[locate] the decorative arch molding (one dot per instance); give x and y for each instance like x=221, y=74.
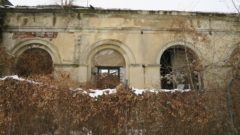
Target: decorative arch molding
x=18, y=49
x=109, y=44
x=232, y=50
x=178, y=43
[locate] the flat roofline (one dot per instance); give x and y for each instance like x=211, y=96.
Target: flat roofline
x=79, y=9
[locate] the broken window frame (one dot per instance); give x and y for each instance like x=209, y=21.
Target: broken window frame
x=109, y=68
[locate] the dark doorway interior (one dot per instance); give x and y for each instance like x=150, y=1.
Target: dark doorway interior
x=180, y=69
x=166, y=69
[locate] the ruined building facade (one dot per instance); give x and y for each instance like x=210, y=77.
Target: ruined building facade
x=145, y=49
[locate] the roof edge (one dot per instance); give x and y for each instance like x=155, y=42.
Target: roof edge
x=68, y=9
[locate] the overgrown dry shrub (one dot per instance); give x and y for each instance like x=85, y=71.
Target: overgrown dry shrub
x=26, y=107
x=104, y=81
x=236, y=104
x=34, y=62
x=49, y=108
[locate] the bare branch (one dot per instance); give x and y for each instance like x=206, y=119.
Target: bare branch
x=235, y=6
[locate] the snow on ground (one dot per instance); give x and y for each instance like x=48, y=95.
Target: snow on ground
x=141, y=91
x=94, y=93
x=15, y=77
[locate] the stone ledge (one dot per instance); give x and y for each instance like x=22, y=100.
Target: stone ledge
x=66, y=65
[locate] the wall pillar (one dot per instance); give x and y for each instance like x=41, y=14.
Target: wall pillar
x=152, y=76
x=67, y=69
x=217, y=77
x=136, y=76
x=82, y=73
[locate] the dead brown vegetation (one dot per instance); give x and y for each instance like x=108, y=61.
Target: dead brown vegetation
x=51, y=108
x=236, y=104
x=104, y=81
x=34, y=61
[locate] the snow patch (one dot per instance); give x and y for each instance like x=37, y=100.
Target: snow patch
x=141, y=91
x=16, y=77
x=95, y=93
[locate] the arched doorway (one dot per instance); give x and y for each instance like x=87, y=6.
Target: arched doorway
x=180, y=69
x=34, y=61
x=108, y=68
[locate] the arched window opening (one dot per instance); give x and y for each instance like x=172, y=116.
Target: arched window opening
x=180, y=69
x=34, y=61
x=108, y=68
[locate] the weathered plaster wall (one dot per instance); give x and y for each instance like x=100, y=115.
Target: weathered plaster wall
x=74, y=36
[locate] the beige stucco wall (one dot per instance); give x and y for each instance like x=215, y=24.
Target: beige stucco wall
x=140, y=36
